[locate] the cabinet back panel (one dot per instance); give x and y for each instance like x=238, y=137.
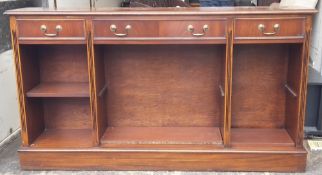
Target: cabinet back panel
x=67, y=113
x=168, y=85
x=259, y=76
x=63, y=63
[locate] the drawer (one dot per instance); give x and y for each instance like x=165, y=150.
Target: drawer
x=269, y=27
x=196, y=29
x=104, y=29
x=51, y=29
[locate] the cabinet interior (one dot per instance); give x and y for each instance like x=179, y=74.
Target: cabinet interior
x=175, y=92
x=55, y=80
x=265, y=90
x=172, y=91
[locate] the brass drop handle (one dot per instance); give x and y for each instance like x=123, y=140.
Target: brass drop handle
x=262, y=27
x=113, y=28
x=192, y=29
x=58, y=28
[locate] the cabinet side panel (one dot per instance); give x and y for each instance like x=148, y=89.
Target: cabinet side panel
x=303, y=94
x=27, y=74
x=293, y=82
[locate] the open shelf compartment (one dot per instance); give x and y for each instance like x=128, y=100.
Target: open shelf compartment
x=160, y=95
x=55, y=81
x=55, y=70
x=265, y=95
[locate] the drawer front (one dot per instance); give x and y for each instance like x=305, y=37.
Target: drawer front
x=124, y=29
x=48, y=29
x=196, y=29
x=269, y=27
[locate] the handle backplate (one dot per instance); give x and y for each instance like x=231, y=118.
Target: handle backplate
x=191, y=29
x=44, y=29
x=113, y=28
x=262, y=28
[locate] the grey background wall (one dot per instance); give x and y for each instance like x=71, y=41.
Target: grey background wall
x=9, y=115
x=83, y=3
x=316, y=45
x=4, y=22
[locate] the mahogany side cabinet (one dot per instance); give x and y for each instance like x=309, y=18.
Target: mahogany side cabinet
x=191, y=89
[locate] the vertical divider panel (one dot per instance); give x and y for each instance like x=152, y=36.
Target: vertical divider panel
x=97, y=85
x=228, y=82
x=92, y=85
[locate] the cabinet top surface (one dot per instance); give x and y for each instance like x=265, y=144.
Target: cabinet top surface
x=162, y=11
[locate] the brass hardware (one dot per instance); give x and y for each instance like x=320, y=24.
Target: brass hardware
x=43, y=28
x=192, y=29
x=262, y=27
x=113, y=29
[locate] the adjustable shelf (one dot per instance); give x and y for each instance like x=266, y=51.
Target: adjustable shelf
x=60, y=90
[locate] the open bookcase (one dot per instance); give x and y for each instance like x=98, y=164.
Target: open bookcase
x=57, y=95
x=209, y=91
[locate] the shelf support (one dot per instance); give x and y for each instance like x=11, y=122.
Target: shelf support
x=222, y=92
x=290, y=90
x=100, y=94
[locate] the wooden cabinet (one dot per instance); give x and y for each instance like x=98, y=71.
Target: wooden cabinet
x=162, y=89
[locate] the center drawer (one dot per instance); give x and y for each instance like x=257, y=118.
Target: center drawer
x=195, y=29
x=124, y=29
x=158, y=31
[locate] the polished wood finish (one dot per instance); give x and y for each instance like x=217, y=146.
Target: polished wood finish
x=180, y=89
x=171, y=11
x=206, y=160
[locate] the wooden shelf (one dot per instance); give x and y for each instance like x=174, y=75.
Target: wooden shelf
x=60, y=90
x=260, y=137
x=161, y=136
x=64, y=138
